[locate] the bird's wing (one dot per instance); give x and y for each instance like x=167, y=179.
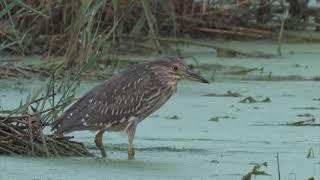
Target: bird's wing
x=103, y=106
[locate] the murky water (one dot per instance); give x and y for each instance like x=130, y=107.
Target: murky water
x=193, y=147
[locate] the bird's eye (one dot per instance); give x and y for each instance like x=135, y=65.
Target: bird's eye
x=175, y=68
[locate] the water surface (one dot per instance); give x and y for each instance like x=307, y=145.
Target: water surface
x=191, y=146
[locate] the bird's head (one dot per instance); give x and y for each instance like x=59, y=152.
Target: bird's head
x=175, y=68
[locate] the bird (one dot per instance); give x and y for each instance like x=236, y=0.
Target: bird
x=121, y=102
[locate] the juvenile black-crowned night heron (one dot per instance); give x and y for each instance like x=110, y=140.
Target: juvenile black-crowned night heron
x=125, y=99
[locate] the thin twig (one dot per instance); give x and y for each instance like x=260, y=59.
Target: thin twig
x=283, y=21
x=31, y=136
x=7, y=150
x=44, y=142
x=278, y=164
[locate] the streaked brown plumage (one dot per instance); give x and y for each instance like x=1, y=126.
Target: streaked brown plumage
x=125, y=99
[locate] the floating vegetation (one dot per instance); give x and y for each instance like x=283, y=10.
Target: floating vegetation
x=316, y=78
x=270, y=77
x=250, y=99
x=310, y=153
x=221, y=52
x=101, y=69
x=216, y=119
x=227, y=94
x=214, y=161
x=246, y=71
x=236, y=52
x=307, y=108
x=14, y=71
x=307, y=122
x=256, y=171
x=296, y=65
x=174, y=117
x=305, y=115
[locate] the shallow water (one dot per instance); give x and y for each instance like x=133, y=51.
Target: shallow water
x=192, y=147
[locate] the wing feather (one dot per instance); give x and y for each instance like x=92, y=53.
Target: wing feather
x=104, y=105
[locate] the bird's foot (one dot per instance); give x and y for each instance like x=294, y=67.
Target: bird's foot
x=131, y=153
x=103, y=153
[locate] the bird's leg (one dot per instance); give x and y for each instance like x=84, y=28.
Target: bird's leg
x=131, y=131
x=99, y=143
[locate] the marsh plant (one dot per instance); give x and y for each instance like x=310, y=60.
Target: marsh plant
x=77, y=29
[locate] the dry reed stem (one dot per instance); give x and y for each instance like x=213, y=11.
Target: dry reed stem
x=20, y=134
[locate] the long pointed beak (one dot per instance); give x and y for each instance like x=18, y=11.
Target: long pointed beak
x=195, y=77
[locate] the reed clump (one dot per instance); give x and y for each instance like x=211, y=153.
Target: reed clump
x=22, y=135
x=78, y=29
x=22, y=129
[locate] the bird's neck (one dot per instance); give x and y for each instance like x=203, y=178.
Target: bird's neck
x=172, y=85
x=168, y=82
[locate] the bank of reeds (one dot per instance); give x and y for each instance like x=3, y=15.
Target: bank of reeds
x=80, y=29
